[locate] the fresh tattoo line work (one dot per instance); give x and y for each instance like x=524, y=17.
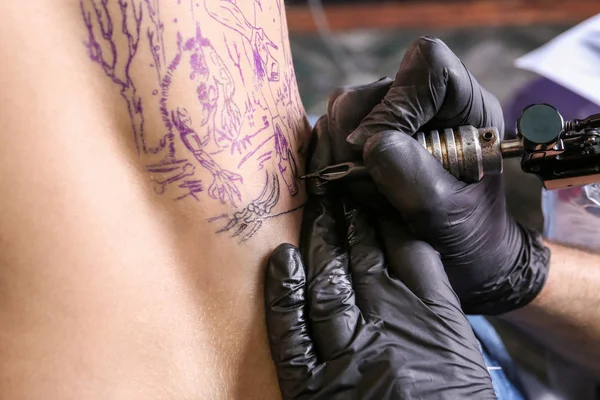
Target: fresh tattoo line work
x=211, y=122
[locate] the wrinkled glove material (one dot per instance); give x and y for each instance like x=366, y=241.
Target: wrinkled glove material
x=350, y=317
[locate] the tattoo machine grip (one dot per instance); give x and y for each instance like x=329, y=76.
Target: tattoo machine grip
x=466, y=152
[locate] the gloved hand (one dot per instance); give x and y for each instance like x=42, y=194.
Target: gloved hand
x=352, y=319
x=493, y=263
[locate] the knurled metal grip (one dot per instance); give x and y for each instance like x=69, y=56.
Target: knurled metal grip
x=466, y=152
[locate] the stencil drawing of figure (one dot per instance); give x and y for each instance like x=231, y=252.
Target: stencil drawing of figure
x=215, y=89
x=266, y=69
x=223, y=186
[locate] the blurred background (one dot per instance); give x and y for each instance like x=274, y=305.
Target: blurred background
x=339, y=42
x=348, y=42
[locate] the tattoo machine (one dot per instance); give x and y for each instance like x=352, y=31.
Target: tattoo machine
x=560, y=153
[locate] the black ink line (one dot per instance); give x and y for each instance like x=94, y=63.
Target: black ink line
x=246, y=223
x=286, y=212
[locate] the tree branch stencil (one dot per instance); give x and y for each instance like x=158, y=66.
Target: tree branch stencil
x=155, y=36
x=224, y=186
x=103, y=29
x=116, y=64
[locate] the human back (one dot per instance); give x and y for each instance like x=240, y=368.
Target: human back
x=150, y=158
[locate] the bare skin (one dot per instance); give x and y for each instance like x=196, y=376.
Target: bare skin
x=565, y=315
x=148, y=165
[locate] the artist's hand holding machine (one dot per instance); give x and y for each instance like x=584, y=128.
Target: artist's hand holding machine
x=430, y=143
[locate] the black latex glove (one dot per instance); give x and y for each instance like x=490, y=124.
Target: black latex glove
x=494, y=264
x=351, y=322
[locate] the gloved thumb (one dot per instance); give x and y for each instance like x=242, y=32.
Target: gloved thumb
x=412, y=180
x=319, y=154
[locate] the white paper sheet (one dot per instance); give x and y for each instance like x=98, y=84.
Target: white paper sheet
x=572, y=60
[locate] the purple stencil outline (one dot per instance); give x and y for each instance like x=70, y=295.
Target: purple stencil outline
x=102, y=35
x=95, y=14
x=157, y=48
x=230, y=15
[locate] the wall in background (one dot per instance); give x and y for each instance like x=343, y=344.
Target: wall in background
x=367, y=55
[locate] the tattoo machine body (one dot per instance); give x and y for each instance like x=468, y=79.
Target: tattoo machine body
x=561, y=154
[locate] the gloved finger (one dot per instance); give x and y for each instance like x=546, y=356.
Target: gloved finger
x=320, y=149
x=367, y=260
x=291, y=346
x=411, y=178
x=333, y=314
x=346, y=109
x=429, y=73
x=319, y=154
x=418, y=265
